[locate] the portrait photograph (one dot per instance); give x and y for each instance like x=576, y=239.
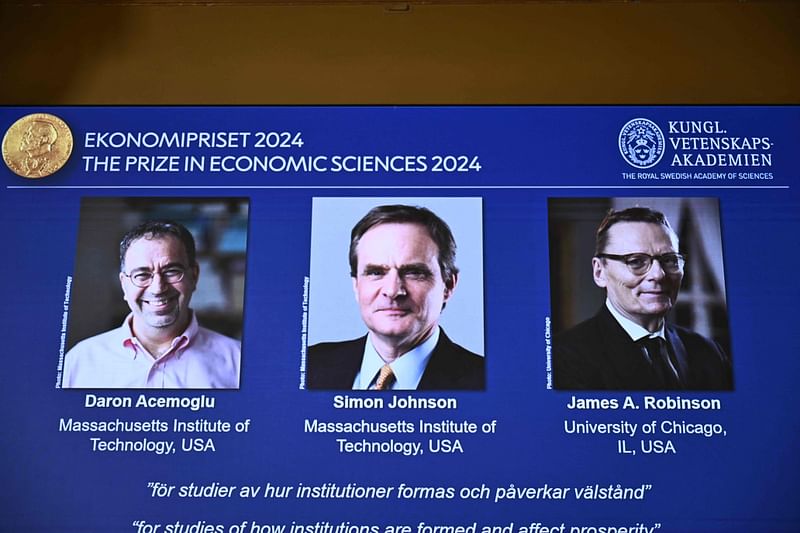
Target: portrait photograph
x=157, y=294
x=403, y=279
x=638, y=297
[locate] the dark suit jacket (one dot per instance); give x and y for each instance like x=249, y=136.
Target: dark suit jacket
x=599, y=355
x=334, y=365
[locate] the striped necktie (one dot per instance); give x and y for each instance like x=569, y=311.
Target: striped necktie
x=385, y=378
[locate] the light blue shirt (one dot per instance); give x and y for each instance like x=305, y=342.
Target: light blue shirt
x=408, y=368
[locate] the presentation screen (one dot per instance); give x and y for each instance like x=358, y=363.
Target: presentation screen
x=492, y=319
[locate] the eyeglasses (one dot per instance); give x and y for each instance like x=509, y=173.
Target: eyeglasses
x=144, y=278
x=640, y=263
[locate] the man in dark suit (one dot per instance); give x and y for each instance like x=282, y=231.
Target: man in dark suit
x=628, y=345
x=402, y=264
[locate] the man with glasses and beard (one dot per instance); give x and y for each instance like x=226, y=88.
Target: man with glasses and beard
x=628, y=345
x=160, y=344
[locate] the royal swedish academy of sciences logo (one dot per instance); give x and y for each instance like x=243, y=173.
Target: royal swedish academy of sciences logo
x=641, y=143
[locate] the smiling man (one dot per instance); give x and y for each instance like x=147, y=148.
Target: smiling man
x=628, y=345
x=160, y=344
x=402, y=264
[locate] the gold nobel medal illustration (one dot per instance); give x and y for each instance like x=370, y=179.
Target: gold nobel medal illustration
x=37, y=145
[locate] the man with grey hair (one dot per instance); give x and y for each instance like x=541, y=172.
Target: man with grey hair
x=628, y=344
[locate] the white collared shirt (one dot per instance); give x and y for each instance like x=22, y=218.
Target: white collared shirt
x=407, y=369
x=634, y=330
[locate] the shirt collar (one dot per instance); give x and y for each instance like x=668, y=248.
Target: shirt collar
x=407, y=369
x=634, y=330
x=128, y=340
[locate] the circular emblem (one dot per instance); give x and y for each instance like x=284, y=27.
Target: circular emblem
x=37, y=145
x=641, y=143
